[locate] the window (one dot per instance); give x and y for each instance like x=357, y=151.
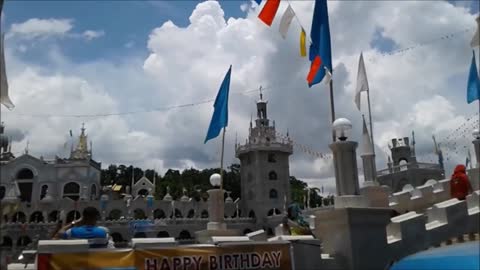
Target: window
x=272, y=175
x=273, y=194
x=25, y=191
x=93, y=192
x=158, y=214
x=2, y=192
x=115, y=214
x=139, y=214
x=43, y=191
x=272, y=158
x=142, y=192
x=71, y=190
x=25, y=174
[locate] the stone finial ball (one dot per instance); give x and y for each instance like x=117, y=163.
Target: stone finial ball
x=342, y=128
x=476, y=133
x=215, y=180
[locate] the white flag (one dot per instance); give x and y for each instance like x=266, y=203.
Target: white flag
x=362, y=82
x=4, y=99
x=328, y=76
x=286, y=21
x=476, y=38
x=367, y=146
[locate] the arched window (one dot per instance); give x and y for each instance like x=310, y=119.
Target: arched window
x=23, y=241
x=272, y=175
x=25, y=174
x=142, y=192
x=53, y=216
x=184, y=235
x=117, y=237
x=163, y=234
x=115, y=214
x=72, y=191
x=2, y=192
x=273, y=194
x=251, y=214
x=73, y=215
x=139, y=214
x=191, y=213
x=273, y=211
x=247, y=230
x=178, y=214
x=140, y=235
x=43, y=191
x=93, y=192
x=403, y=164
x=158, y=214
x=6, y=242
x=204, y=214
x=272, y=158
x=19, y=217
x=36, y=216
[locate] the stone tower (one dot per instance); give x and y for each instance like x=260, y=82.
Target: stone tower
x=401, y=151
x=265, y=173
x=405, y=169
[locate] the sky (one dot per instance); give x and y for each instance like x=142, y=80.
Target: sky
x=110, y=57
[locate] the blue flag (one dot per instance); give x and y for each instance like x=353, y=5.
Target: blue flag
x=473, y=87
x=220, y=113
x=320, y=49
x=258, y=1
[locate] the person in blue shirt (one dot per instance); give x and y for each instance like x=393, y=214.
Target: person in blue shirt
x=86, y=228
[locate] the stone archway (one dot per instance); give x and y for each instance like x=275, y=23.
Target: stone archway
x=73, y=215
x=19, y=217
x=23, y=241
x=115, y=214
x=36, y=217
x=6, y=242
x=53, y=216
x=159, y=214
x=184, y=235
x=163, y=234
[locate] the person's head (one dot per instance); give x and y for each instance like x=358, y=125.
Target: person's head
x=90, y=215
x=460, y=169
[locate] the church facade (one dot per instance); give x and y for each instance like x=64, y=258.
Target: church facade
x=36, y=194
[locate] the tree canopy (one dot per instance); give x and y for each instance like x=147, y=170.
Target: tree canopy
x=197, y=182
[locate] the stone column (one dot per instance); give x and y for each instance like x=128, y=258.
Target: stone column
x=216, y=210
x=369, y=168
x=345, y=162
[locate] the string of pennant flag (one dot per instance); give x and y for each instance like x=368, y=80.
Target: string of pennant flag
x=305, y=149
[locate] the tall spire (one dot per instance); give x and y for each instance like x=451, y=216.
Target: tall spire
x=261, y=95
x=81, y=151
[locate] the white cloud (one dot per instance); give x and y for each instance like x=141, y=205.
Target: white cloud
x=34, y=28
x=90, y=34
x=43, y=28
x=409, y=91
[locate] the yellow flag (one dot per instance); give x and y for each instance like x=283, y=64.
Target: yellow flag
x=303, y=50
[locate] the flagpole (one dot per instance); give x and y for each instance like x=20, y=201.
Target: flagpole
x=370, y=119
x=332, y=108
x=221, y=158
